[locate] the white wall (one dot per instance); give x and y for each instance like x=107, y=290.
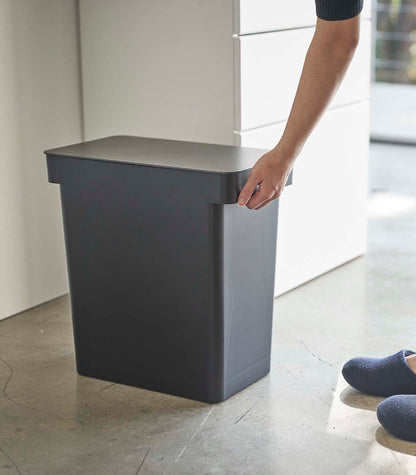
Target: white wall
x=40, y=108
x=158, y=69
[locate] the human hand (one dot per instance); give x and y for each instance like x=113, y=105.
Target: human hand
x=270, y=172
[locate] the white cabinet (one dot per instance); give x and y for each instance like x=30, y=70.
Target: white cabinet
x=322, y=216
x=269, y=69
x=226, y=72
x=256, y=16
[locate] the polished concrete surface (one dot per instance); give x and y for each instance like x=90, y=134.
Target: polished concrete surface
x=300, y=419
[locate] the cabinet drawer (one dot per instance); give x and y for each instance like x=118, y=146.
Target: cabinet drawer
x=322, y=217
x=254, y=16
x=268, y=69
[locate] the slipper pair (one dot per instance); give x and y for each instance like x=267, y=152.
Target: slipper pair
x=390, y=377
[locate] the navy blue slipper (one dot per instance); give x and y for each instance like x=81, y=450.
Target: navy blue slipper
x=397, y=414
x=381, y=376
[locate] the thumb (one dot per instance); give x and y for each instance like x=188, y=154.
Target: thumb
x=248, y=188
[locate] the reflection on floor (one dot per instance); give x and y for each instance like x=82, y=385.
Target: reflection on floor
x=302, y=418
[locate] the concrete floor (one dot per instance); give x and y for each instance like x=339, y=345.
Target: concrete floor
x=300, y=419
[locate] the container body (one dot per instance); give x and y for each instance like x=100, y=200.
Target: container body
x=170, y=290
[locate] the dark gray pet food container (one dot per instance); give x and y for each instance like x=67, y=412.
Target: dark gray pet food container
x=171, y=282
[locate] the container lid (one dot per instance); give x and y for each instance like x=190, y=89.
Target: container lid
x=164, y=153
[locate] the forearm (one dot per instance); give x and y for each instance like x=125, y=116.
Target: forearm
x=327, y=59
x=326, y=63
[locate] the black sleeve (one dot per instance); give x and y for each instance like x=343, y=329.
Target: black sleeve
x=338, y=9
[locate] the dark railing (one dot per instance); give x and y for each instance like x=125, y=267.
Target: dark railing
x=395, y=41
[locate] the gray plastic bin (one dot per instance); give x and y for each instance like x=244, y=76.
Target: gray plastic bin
x=171, y=282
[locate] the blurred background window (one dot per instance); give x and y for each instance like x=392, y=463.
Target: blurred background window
x=393, y=92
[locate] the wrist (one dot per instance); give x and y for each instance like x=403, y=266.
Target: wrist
x=286, y=153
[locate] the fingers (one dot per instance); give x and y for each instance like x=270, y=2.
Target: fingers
x=266, y=194
x=248, y=188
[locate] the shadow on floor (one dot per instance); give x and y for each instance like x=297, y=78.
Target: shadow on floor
x=353, y=398
x=393, y=443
